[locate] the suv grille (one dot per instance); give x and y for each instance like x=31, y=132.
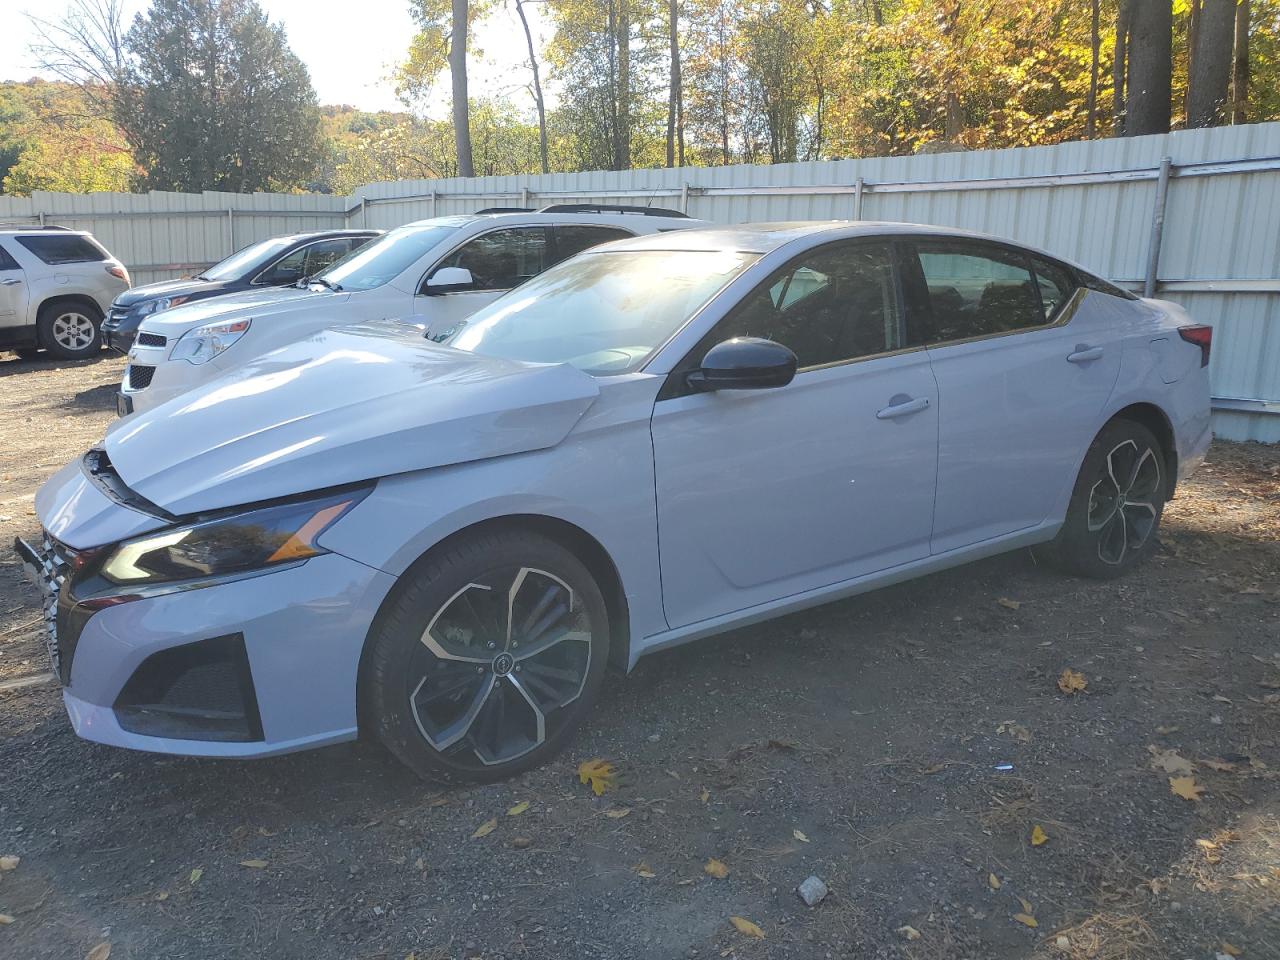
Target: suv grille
x=139, y=377
x=116, y=315
x=150, y=340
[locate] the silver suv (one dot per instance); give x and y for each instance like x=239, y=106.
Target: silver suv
x=55, y=287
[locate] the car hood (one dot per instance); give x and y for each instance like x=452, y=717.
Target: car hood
x=171, y=288
x=343, y=405
x=251, y=303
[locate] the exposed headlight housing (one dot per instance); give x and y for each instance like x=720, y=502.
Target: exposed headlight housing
x=204, y=343
x=163, y=303
x=227, y=545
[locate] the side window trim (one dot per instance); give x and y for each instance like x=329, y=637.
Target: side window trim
x=422, y=280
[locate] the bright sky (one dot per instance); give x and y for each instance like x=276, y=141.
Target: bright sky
x=350, y=55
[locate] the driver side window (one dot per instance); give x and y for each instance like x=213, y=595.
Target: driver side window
x=829, y=305
x=502, y=259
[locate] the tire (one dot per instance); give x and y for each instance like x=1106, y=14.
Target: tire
x=1105, y=536
x=70, y=329
x=445, y=685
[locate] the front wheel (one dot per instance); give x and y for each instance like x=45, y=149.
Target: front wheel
x=1116, y=505
x=70, y=330
x=488, y=658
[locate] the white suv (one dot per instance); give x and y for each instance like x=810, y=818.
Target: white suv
x=437, y=272
x=55, y=287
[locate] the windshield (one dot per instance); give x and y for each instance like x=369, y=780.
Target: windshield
x=604, y=313
x=248, y=260
x=384, y=259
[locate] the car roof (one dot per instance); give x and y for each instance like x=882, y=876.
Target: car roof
x=617, y=219
x=43, y=231
x=335, y=232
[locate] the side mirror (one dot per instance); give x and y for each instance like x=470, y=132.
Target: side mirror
x=744, y=363
x=450, y=280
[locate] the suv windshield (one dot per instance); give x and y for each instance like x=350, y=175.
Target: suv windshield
x=247, y=260
x=384, y=259
x=604, y=313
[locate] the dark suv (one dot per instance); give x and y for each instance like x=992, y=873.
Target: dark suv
x=277, y=262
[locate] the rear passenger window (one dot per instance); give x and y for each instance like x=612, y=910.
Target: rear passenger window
x=976, y=292
x=571, y=241
x=1056, y=287
x=63, y=248
x=7, y=262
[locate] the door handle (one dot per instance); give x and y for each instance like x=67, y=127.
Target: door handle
x=1084, y=353
x=9, y=282
x=902, y=406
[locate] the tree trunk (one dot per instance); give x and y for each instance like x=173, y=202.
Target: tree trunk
x=622, y=142
x=1095, y=44
x=458, y=73
x=537, y=88
x=1119, y=65
x=1150, y=67
x=1240, y=76
x=675, y=104
x=1210, y=72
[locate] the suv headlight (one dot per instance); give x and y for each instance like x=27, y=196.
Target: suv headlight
x=238, y=543
x=204, y=343
x=163, y=303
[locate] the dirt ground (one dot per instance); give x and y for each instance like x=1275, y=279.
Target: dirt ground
x=907, y=747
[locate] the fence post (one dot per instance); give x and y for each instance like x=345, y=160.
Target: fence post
x=231, y=229
x=1157, y=228
x=364, y=211
x=433, y=203
x=857, y=199
x=41, y=219
x=524, y=196
x=684, y=198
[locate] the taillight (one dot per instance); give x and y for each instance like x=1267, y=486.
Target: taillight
x=1201, y=334
x=118, y=272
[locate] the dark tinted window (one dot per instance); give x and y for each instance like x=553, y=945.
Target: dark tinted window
x=573, y=240
x=502, y=259
x=7, y=262
x=63, y=248
x=833, y=304
x=306, y=261
x=1056, y=286
x=975, y=291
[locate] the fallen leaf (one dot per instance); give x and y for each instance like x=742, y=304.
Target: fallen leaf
x=1169, y=761
x=1220, y=765
x=1009, y=604
x=9, y=863
x=716, y=868
x=254, y=864
x=485, y=828
x=196, y=874
x=910, y=932
x=936, y=768
x=1038, y=836
x=993, y=881
x=1072, y=681
x=1165, y=731
x=643, y=870
x=521, y=843
x=705, y=795
x=599, y=773
x=617, y=813
x=799, y=836
x=5, y=919
x=264, y=832
x=1186, y=788
x=1015, y=730
x=1230, y=949
x=518, y=809
x=100, y=952
x=1026, y=920
x=1026, y=906
x=1221, y=699
x=162, y=896
x=744, y=925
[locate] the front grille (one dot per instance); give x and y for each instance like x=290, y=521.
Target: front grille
x=53, y=565
x=115, y=317
x=139, y=378
x=150, y=340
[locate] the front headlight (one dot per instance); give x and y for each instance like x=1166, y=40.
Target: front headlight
x=163, y=303
x=204, y=343
x=228, y=545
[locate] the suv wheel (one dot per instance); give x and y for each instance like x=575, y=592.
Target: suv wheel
x=487, y=659
x=70, y=330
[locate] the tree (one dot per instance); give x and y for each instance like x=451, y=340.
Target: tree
x=1240, y=67
x=458, y=77
x=1210, y=70
x=675, y=103
x=1150, y=92
x=539, y=101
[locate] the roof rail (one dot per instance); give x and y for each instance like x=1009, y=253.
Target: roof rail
x=612, y=208
x=55, y=226
x=504, y=210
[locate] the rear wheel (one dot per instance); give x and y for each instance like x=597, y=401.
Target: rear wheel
x=70, y=330
x=488, y=658
x=1116, y=506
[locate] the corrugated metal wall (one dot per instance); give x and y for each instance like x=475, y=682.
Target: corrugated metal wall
x=1092, y=202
